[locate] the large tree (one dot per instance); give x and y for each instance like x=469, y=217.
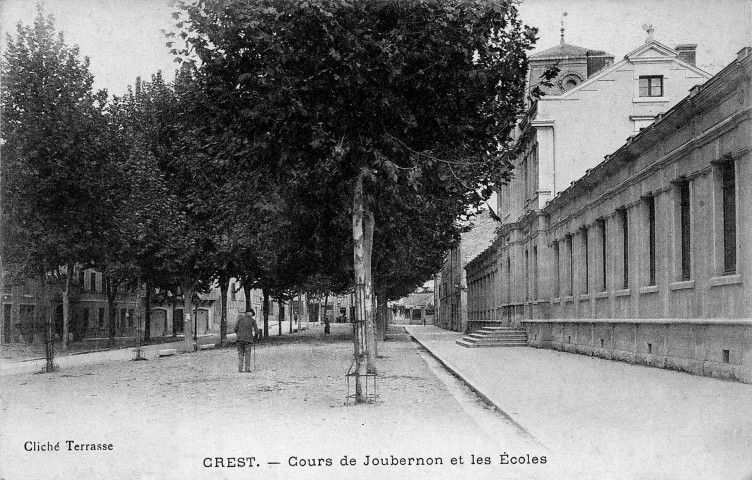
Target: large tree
x=367, y=100
x=53, y=165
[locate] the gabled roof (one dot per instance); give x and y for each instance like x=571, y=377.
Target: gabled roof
x=660, y=49
x=653, y=49
x=418, y=300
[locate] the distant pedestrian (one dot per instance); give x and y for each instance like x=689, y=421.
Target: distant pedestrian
x=326, y=325
x=246, y=330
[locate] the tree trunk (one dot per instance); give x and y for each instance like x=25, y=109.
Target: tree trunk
x=266, y=312
x=363, y=303
x=147, y=312
x=247, y=293
x=318, y=314
x=224, y=285
x=66, y=306
x=175, y=320
x=139, y=316
x=187, y=289
x=368, y=227
x=46, y=315
x=385, y=317
x=290, y=315
x=382, y=316
x=305, y=309
x=280, y=317
x=326, y=307
x=111, y=290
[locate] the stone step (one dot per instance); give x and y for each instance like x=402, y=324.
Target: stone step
x=166, y=352
x=495, y=337
x=506, y=332
x=467, y=344
x=502, y=328
x=498, y=335
x=495, y=340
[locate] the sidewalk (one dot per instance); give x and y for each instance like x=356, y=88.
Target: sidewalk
x=614, y=419
x=101, y=356
x=127, y=353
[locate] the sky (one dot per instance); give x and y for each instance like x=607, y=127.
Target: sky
x=123, y=38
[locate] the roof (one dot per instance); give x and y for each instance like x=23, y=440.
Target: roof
x=480, y=237
x=565, y=50
x=668, y=52
x=417, y=300
x=661, y=121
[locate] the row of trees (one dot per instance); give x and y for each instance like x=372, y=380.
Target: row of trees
x=304, y=146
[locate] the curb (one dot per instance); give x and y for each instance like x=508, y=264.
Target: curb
x=455, y=372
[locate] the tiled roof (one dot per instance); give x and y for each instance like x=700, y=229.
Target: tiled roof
x=480, y=237
x=417, y=300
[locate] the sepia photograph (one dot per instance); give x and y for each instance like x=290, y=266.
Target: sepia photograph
x=376, y=239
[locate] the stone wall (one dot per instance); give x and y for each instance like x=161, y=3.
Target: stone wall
x=719, y=348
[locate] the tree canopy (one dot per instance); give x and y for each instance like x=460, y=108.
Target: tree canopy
x=393, y=112
x=322, y=145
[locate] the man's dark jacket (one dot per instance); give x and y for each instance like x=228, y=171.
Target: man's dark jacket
x=245, y=328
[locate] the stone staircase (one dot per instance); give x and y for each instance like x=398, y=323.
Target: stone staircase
x=495, y=337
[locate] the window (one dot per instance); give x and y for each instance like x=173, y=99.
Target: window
x=570, y=251
x=585, y=253
x=527, y=269
x=604, y=257
x=534, y=268
x=101, y=318
x=93, y=280
x=685, y=233
x=122, y=318
x=130, y=317
x=728, y=191
x=233, y=292
x=509, y=280
x=557, y=282
x=535, y=173
x=81, y=279
x=86, y=319
x=651, y=86
x=624, y=216
x=650, y=201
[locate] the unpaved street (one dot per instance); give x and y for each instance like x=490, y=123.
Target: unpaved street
x=181, y=416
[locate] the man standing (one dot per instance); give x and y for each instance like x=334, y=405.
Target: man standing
x=246, y=329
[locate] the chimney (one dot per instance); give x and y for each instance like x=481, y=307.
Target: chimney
x=687, y=53
x=597, y=61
